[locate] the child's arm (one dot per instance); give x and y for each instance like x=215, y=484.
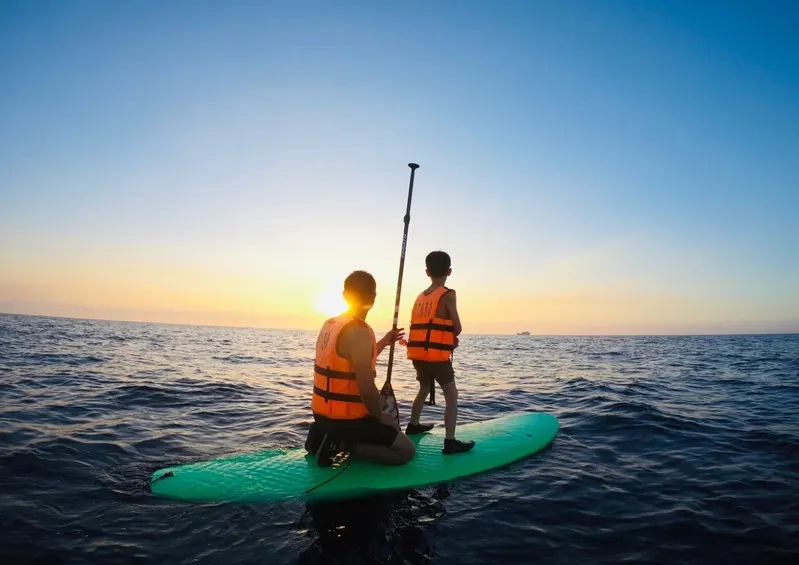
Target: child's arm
x=451, y=305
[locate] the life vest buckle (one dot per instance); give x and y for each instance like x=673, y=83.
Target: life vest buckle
x=327, y=387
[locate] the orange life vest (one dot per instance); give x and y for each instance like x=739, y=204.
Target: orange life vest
x=430, y=338
x=335, y=390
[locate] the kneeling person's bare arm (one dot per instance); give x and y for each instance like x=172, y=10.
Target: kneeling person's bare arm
x=357, y=347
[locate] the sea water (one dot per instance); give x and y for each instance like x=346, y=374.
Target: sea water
x=681, y=449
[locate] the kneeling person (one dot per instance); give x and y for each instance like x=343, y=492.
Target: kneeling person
x=346, y=402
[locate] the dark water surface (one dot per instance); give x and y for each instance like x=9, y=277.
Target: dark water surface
x=671, y=450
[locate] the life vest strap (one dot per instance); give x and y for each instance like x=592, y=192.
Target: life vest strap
x=331, y=374
x=430, y=326
x=428, y=345
x=337, y=396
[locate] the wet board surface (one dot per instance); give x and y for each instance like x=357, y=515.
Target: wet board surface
x=275, y=474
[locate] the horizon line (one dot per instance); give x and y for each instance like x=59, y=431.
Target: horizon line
x=530, y=334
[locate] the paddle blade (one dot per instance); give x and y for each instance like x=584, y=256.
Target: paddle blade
x=388, y=402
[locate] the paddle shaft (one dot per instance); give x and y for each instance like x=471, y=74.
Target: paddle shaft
x=407, y=221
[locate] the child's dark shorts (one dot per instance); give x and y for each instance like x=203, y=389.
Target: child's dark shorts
x=441, y=371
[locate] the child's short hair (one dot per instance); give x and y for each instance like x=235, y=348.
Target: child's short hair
x=438, y=263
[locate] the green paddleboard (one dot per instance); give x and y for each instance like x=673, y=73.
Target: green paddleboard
x=274, y=474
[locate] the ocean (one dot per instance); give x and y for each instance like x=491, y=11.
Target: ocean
x=672, y=449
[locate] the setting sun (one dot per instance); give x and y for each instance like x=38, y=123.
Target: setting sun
x=330, y=303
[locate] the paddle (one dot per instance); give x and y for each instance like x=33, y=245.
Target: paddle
x=388, y=401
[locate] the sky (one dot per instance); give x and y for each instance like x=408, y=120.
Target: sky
x=591, y=167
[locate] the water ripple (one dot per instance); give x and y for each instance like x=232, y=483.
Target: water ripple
x=672, y=449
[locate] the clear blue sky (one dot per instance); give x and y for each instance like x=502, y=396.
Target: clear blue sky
x=592, y=167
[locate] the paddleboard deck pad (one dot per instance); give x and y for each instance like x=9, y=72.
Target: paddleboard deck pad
x=277, y=474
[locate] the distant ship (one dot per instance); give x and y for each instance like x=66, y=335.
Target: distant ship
x=523, y=333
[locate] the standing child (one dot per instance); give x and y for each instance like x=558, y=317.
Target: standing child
x=433, y=335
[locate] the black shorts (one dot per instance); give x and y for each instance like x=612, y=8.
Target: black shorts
x=359, y=430
x=441, y=371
